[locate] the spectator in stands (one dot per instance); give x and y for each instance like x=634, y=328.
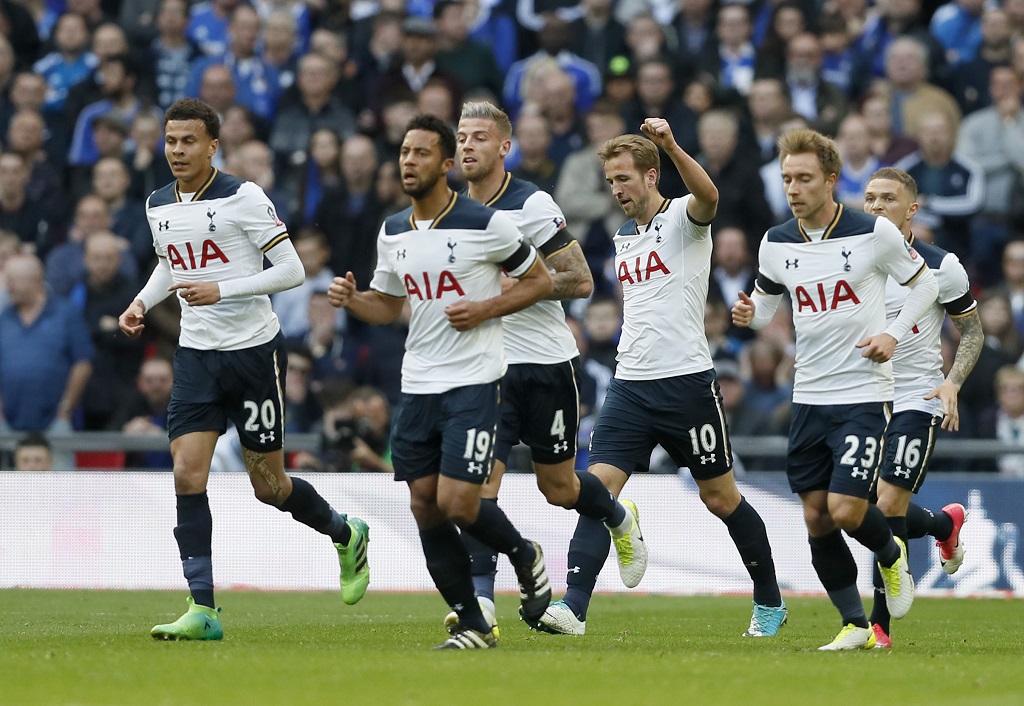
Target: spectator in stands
x=317, y=108
x=27, y=91
x=471, y=61
x=657, y=97
x=765, y=390
x=993, y=139
x=1015, y=16
x=893, y=20
x=144, y=412
x=292, y=305
x=732, y=272
x=32, y=453
x=786, y=21
x=395, y=116
x=26, y=135
x=217, y=87
x=1012, y=287
x=769, y=106
x=647, y=39
x=108, y=40
x=355, y=433
x=587, y=203
x=145, y=158
x=65, y=264
x=10, y=245
x=334, y=46
x=120, y=76
x=323, y=171
x=1000, y=331
x=555, y=100
x=111, y=181
x=171, y=54
x=854, y=142
x=335, y=355
x=694, y=25
x=906, y=71
x=742, y=417
x=837, y=54
x=45, y=353
x=301, y=409
x=387, y=186
x=117, y=358
x=208, y=25
x=889, y=148
x=950, y=190
x=254, y=162
x=238, y=126
x=69, y=63
x=490, y=24
x=602, y=323
x=416, y=64
x=436, y=98
x=280, y=46
x=597, y=36
x=740, y=189
x=554, y=39
x=256, y=82
x=28, y=218
x=957, y=27
x=1009, y=426
x=350, y=214
x=717, y=320
x=732, y=63
x=533, y=140
x=373, y=61
x=969, y=80
x=619, y=82
x=820, y=102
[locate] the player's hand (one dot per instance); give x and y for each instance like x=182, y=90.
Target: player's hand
x=743, y=311
x=341, y=291
x=130, y=322
x=197, y=293
x=947, y=393
x=659, y=131
x=507, y=283
x=464, y=314
x=878, y=348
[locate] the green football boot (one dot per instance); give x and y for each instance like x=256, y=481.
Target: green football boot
x=199, y=623
x=355, y=566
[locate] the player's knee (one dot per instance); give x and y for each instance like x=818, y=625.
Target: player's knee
x=720, y=501
x=560, y=490
x=847, y=516
x=268, y=496
x=460, y=508
x=819, y=522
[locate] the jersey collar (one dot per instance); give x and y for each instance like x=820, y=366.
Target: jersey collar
x=828, y=229
x=501, y=190
x=437, y=219
x=202, y=189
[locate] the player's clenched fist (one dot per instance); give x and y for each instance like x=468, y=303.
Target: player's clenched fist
x=464, y=315
x=659, y=131
x=339, y=294
x=743, y=311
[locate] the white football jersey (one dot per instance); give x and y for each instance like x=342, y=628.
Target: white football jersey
x=221, y=234
x=459, y=255
x=538, y=333
x=837, y=284
x=917, y=362
x=663, y=268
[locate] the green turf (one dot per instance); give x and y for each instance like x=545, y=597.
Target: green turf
x=93, y=647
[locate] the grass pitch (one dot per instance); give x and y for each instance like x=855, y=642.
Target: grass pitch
x=93, y=647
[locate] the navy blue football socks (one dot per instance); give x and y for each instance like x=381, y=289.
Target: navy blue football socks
x=308, y=507
x=484, y=561
x=874, y=533
x=837, y=571
x=596, y=501
x=751, y=539
x=588, y=550
x=922, y=522
x=448, y=564
x=194, y=535
x=493, y=529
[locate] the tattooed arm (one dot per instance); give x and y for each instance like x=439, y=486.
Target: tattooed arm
x=972, y=338
x=572, y=276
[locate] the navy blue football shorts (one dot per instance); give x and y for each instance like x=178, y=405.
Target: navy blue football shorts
x=540, y=407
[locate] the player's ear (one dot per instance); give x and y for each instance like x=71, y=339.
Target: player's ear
x=505, y=147
x=913, y=209
x=214, y=144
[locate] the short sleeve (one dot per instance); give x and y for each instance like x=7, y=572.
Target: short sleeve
x=680, y=217
x=542, y=219
x=895, y=256
x=501, y=239
x=160, y=251
x=954, y=287
x=767, y=280
x=385, y=279
x=257, y=217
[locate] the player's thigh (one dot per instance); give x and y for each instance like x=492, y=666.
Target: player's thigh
x=551, y=422
x=808, y=455
x=855, y=437
x=197, y=401
x=416, y=437
x=254, y=380
x=491, y=488
x=266, y=472
x=909, y=441
x=690, y=424
x=192, y=453
x=622, y=435
x=558, y=482
x=469, y=422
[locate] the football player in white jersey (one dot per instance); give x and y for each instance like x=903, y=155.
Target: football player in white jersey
x=540, y=402
x=444, y=255
x=211, y=232
x=834, y=263
x=664, y=390
x=923, y=397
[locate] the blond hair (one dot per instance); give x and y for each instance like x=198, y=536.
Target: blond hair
x=899, y=176
x=807, y=141
x=484, y=110
x=644, y=152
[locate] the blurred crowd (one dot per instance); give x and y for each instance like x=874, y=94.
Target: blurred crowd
x=314, y=96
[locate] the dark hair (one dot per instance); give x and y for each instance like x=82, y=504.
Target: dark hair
x=194, y=109
x=445, y=134
x=32, y=439
x=127, y=62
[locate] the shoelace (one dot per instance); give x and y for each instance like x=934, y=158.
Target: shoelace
x=624, y=548
x=892, y=576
